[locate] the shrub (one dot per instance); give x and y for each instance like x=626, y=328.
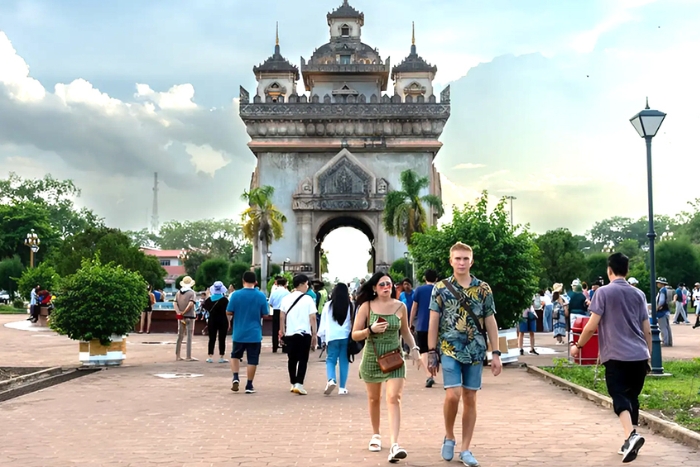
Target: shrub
x=17, y=303
x=235, y=273
x=212, y=270
x=99, y=301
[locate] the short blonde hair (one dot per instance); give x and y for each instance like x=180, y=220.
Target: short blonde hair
x=459, y=246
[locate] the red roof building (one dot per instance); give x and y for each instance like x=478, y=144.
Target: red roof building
x=170, y=261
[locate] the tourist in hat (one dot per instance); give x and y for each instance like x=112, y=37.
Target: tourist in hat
x=560, y=312
x=633, y=281
x=663, y=312
x=184, y=309
x=619, y=314
x=218, y=323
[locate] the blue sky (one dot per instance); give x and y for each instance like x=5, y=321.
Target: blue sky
x=541, y=96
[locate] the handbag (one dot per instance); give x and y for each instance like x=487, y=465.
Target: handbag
x=465, y=305
x=354, y=347
x=282, y=343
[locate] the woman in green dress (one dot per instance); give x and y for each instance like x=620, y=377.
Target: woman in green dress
x=383, y=321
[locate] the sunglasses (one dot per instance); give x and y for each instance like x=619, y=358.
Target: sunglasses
x=384, y=284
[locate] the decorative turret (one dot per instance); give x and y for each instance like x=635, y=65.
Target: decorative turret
x=277, y=78
x=345, y=21
x=413, y=76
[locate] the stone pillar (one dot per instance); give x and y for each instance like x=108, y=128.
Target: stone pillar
x=305, y=240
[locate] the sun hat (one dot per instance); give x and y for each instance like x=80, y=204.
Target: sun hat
x=187, y=282
x=218, y=288
x=575, y=283
x=632, y=281
x=558, y=287
x=661, y=280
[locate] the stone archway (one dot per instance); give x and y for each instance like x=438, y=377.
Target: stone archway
x=336, y=222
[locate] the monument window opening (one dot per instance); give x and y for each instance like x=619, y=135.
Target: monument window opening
x=345, y=59
x=345, y=30
x=345, y=255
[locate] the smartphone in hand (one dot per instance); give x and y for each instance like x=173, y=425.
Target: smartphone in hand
x=381, y=320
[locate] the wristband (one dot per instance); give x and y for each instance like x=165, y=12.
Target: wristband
x=496, y=352
x=370, y=330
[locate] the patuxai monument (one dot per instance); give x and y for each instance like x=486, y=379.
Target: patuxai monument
x=333, y=151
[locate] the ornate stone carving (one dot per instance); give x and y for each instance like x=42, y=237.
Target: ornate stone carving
x=306, y=187
x=382, y=186
x=344, y=178
x=386, y=109
x=244, y=96
x=445, y=95
x=344, y=204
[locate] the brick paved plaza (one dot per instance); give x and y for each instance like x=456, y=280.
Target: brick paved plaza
x=129, y=417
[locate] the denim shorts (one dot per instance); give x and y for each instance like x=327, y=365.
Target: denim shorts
x=527, y=325
x=456, y=374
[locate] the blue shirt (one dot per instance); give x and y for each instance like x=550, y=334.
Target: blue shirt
x=407, y=299
x=248, y=307
x=422, y=297
x=277, y=296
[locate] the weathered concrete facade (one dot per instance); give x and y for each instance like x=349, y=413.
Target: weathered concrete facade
x=333, y=155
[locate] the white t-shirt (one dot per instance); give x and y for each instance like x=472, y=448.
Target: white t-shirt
x=696, y=299
x=297, y=320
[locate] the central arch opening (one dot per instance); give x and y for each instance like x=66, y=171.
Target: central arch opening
x=344, y=249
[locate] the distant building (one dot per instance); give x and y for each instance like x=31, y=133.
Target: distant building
x=171, y=262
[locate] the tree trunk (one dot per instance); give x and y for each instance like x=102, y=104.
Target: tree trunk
x=263, y=266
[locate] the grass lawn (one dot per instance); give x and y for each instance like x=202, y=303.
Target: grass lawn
x=674, y=398
x=10, y=310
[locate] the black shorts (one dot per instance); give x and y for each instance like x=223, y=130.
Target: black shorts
x=625, y=381
x=422, y=341
x=251, y=349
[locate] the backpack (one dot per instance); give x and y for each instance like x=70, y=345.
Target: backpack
x=537, y=302
x=669, y=296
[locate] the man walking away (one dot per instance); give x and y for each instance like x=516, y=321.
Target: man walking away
x=184, y=306
x=275, y=303
x=247, y=307
x=679, y=300
x=461, y=306
x=420, y=317
x=663, y=312
x=619, y=313
x=298, y=326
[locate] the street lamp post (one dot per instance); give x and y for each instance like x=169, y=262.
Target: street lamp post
x=32, y=241
x=667, y=235
x=511, y=198
x=647, y=123
x=284, y=265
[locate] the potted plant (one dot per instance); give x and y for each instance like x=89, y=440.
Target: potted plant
x=98, y=306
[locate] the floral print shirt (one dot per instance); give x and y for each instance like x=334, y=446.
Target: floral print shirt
x=458, y=335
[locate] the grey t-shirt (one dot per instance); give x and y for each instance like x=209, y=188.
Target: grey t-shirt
x=183, y=299
x=622, y=310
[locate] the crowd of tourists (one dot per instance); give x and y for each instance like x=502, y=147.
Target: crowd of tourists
x=443, y=326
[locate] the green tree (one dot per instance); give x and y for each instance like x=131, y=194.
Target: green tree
x=112, y=246
x=629, y=248
x=99, y=301
x=219, y=238
x=505, y=259
x=55, y=197
x=235, y=273
x=404, y=213
x=43, y=275
x=678, y=261
x=10, y=271
x=262, y=221
x=398, y=270
x=194, y=260
x=640, y=271
x=17, y=219
x=143, y=238
x=246, y=255
x=596, y=266
x=560, y=256
x=211, y=271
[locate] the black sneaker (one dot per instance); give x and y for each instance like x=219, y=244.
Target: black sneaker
x=634, y=444
x=234, y=385
x=249, y=389
x=522, y=352
x=429, y=382
x=533, y=352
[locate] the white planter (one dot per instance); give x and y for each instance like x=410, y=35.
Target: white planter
x=508, y=345
x=93, y=353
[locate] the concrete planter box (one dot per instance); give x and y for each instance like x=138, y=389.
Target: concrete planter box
x=93, y=353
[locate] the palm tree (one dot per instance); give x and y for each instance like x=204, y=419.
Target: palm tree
x=262, y=223
x=404, y=213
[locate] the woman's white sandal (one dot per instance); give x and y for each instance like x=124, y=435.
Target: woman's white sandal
x=375, y=444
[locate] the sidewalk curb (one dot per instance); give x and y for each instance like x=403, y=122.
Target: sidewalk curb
x=668, y=429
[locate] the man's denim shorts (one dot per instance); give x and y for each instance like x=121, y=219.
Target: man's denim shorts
x=456, y=374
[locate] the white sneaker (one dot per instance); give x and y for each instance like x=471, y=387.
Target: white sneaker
x=292, y=388
x=299, y=389
x=330, y=385
x=396, y=453
x=342, y=392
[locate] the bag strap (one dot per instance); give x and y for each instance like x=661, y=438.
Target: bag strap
x=464, y=304
x=290, y=309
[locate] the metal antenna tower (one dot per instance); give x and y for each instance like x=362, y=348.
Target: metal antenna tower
x=154, y=217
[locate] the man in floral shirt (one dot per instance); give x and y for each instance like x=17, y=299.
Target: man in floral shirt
x=462, y=345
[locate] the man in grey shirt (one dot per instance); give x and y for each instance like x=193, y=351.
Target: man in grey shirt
x=619, y=313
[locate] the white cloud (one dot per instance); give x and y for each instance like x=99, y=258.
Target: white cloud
x=177, y=97
x=468, y=166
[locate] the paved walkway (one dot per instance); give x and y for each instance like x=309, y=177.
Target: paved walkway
x=130, y=417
